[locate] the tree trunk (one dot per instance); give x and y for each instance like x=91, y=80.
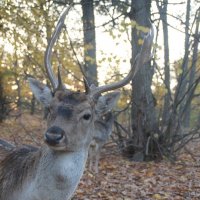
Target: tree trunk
x=89, y=41
x=17, y=82
x=163, y=15
x=2, y=100
x=187, y=110
x=32, y=105
x=143, y=103
x=183, y=79
x=19, y=97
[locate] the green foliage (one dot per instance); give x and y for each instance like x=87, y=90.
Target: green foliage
x=25, y=28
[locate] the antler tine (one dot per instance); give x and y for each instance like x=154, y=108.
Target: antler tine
x=48, y=53
x=87, y=87
x=60, y=85
x=143, y=56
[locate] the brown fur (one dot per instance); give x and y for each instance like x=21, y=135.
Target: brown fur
x=3, y=153
x=5, y=148
x=17, y=165
x=69, y=97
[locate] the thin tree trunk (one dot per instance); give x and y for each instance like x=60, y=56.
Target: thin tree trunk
x=17, y=82
x=2, y=99
x=32, y=105
x=183, y=79
x=163, y=15
x=19, y=97
x=89, y=41
x=187, y=110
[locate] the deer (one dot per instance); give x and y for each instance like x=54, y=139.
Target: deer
x=54, y=170
x=103, y=130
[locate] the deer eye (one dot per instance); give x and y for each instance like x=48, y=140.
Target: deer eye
x=86, y=116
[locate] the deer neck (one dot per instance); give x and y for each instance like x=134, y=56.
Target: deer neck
x=57, y=176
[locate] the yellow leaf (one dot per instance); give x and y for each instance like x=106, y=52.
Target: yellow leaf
x=160, y=197
x=157, y=196
x=140, y=41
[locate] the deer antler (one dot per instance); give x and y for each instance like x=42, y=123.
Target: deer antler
x=48, y=53
x=143, y=56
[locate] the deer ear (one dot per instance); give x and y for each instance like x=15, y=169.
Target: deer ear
x=41, y=92
x=107, y=102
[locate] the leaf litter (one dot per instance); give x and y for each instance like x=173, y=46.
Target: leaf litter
x=119, y=178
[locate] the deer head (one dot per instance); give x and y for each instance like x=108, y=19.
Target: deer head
x=72, y=114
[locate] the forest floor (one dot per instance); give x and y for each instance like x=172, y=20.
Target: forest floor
x=118, y=178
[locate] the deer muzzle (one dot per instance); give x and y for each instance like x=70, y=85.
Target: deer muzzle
x=54, y=136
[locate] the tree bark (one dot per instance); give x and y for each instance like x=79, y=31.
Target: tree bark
x=2, y=100
x=187, y=110
x=19, y=97
x=90, y=65
x=163, y=15
x=143, y=103
x=183, y=79
x=32, y=105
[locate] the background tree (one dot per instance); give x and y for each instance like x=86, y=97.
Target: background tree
x=162, y=8
x=143, y=116
x=90, y=65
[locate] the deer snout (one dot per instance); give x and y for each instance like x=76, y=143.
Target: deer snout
x=54, y=135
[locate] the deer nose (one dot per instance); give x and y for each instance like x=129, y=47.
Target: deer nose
x=54, y=135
